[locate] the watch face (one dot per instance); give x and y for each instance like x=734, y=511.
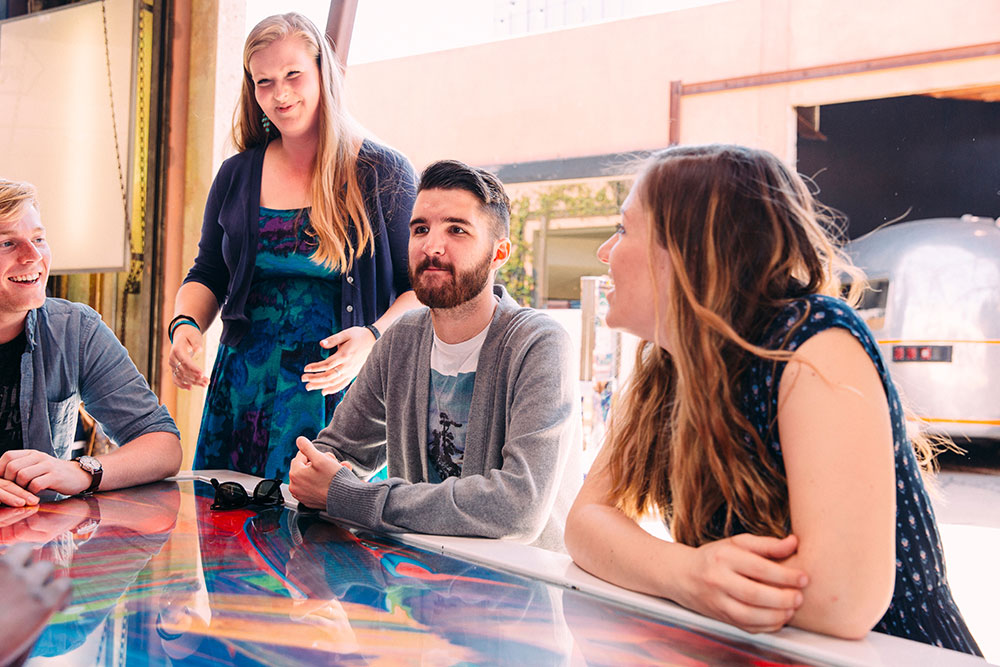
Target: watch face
x=87, y=527
x=89, y=463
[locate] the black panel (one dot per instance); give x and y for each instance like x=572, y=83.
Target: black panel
x=882, y=158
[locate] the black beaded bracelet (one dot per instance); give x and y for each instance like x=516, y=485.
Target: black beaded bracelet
x=374, y=330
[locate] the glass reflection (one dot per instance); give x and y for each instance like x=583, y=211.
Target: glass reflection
x=104, y=543
x=159, y=578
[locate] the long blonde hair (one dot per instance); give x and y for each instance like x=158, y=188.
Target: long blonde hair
x=744, y=238
x=338, y=215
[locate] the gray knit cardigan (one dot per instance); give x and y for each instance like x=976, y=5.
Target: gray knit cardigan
x=522, y=466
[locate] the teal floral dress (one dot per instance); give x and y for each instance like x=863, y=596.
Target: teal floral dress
x=257, y=403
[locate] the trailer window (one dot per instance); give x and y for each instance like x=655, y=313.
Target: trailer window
x=873, y=300
x=875, y=295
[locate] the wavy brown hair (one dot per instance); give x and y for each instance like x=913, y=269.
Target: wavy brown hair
x=338, y=215
x=744, y=237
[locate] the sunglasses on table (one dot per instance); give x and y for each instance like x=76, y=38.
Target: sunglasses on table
x=232, y=495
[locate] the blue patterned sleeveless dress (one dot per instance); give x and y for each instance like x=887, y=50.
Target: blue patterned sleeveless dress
x=257, y=404
x=922, y=607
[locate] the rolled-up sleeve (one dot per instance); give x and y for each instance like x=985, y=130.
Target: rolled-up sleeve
x=113, y=390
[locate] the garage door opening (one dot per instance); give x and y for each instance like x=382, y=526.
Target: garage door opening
x=906, y=158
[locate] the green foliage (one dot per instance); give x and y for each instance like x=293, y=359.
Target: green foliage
x=514, y=276
x=578, y=200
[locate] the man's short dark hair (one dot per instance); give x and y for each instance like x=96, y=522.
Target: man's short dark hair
x=481, y=184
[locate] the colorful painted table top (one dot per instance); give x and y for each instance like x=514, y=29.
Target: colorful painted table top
x=159, y=577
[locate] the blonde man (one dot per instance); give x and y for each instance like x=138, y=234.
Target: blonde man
x=53, y=355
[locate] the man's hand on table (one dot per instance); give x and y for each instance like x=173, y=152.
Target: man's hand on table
x=311, y=472
x=35, y=471
x=14, y=496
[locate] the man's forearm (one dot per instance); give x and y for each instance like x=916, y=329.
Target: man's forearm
x=148, y=458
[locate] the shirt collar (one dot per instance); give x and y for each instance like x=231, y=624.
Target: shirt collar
x=30, y=328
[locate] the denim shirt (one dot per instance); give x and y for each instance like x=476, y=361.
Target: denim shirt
x=72, y=356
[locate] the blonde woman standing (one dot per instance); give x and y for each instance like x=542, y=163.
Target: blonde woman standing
x=303, y=252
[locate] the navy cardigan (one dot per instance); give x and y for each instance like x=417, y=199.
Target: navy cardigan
x=227, y=251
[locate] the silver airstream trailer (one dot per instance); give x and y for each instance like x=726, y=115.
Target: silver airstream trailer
x=934, y=307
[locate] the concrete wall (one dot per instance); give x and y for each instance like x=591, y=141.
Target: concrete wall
x=605, y=88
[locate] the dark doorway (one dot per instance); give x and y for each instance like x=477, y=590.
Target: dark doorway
x=905, y=157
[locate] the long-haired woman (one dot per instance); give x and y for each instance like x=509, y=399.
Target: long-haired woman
x=303, y=249
x=760, y=420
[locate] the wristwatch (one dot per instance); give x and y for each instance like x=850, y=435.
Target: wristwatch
x=85, y=529
x=96, y=470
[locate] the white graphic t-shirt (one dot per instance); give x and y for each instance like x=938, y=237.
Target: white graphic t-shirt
x=453, y=374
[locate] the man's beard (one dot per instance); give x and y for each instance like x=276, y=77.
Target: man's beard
x=462, y=288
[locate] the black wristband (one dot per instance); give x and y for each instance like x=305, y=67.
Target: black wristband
x=183, y=317
x=374, y=330
x=178, y=321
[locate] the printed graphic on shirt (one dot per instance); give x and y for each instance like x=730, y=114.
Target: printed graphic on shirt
x=10, y=393
x=448, y=413
x=453, y=375
x=10, y=410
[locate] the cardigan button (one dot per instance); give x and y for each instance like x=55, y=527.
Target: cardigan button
x=350, y=309
x=350, y=279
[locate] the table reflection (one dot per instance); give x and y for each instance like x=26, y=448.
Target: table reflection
x=104, y=543
x=158, y=577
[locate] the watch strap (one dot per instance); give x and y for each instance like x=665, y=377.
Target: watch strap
x=95, y=477
x=95, y=483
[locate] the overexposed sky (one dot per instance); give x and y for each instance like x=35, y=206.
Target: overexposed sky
x=396, y=28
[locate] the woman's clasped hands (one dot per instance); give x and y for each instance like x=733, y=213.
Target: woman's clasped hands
x=742, y=580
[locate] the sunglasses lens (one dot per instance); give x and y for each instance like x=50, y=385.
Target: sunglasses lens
x=268, y=492
x=229, y=495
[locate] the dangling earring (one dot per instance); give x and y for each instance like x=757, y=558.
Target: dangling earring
x=266, y=122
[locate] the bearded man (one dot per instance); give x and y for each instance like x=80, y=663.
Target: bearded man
x=470, y=402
